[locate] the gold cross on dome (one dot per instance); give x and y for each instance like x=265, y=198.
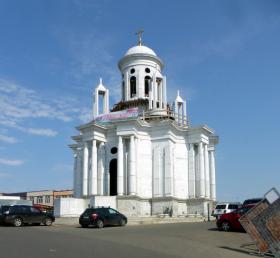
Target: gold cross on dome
x=139, y=34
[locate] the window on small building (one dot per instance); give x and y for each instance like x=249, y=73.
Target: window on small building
x=132, y=86
x=47, y=199
x=147, y=70
x=40, y=199
x=147, y=84
x=132, y=71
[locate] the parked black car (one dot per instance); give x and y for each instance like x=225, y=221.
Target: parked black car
x=18, y=215
x=101, y=217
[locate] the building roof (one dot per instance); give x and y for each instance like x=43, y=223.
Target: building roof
x=140, y=50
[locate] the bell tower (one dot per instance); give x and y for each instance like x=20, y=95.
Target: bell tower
x=141, y=76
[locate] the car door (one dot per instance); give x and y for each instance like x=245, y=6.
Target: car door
x=114, y=216
x=235, y=219
x=36, y=216
x=238, y=213
x=20, y=211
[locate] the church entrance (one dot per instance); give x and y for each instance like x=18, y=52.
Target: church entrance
x=113, y=177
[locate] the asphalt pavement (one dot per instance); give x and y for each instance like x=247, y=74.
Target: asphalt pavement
x=198, y=240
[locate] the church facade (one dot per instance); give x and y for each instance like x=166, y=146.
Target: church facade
x=143, y=153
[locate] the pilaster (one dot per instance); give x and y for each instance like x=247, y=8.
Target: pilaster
x=212, y=176
x=132, y=175
x=201, y=170
x=120, y=188
x=191, y=171
x=206, y=168
x=85, y=170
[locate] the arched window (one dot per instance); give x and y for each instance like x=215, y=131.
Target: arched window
x=132, y=86
x=147, y=83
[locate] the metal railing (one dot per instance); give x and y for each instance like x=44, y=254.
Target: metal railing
x=179, y=119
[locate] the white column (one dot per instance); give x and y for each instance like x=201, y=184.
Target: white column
x=132, y=174
x=141, y=84
x=120, y=166
x=185, y=120
x=150, y=94
x=206, y=169
x=106, y=101
x=164, y=91
x=160, y=95
x=96, y=103
x=127, y=87
x=79, y=185
x=201, y=170
x=154, y=93
x=107, y=179
x=75, y=172
x=176, y=110
x=85, y=170
x=191, y=171
x=93, y=179
x=168, y=170
x=156, y=173
x=100, y=174
x=212, y=176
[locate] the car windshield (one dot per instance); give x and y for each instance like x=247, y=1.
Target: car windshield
x=220, y=206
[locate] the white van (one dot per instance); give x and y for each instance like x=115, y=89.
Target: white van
x=225, y=207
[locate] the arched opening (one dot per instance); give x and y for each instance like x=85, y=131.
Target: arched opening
x=113, y=177
x=101, y=102
x=132, y=86
x=147, y=85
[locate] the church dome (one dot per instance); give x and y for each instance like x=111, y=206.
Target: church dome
x=140, y=50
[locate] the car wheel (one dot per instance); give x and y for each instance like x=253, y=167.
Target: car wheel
x=226, y=226
x=48, y=222
x=100, y=223
x=84, y=225
x=122, y=222
x=18, y=222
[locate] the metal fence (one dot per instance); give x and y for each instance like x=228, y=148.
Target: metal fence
x=262, y=223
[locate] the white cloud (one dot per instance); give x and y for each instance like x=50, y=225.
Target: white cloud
x=18, y=102
x=8, y=139
x=19, y=105
x=11, y=162
x=41, y=132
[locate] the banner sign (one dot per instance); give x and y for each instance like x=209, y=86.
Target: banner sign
x=124, y=115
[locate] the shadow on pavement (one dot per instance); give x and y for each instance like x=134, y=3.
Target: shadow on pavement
x=249, y=252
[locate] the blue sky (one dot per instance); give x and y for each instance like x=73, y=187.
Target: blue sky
x=223, y=56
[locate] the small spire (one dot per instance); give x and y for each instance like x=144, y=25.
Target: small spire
x=139, y=34
x=178, y=93
x=100, y=80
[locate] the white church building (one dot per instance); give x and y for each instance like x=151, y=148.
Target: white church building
x=143, y=157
